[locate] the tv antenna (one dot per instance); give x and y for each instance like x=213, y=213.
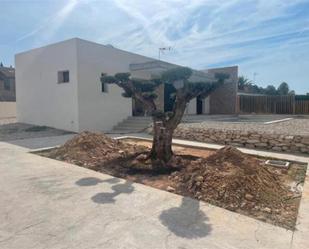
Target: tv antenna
x=161, y=50
x=254, y=76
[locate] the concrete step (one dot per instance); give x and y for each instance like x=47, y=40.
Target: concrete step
x=139, y=118
x=124, y=127
x=132, y=124
x=131, y=121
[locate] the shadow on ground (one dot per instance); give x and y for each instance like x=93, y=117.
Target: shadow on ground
x=187, y=220
x=107, y=197
x=91, y=181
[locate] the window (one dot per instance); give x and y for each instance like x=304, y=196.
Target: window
x=63, y=76
x=104, y=88
x=7, y=85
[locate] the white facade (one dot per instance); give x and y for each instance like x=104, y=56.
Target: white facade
x=40, y=99
x=79, y=104
x=191, y=107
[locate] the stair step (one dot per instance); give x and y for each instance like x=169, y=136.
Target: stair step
x=123, y=131
x=132, y=124
x=129, y=128
x=140, y=118
x=136, y=122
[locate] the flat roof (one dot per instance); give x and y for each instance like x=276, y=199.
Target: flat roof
x=157, y=67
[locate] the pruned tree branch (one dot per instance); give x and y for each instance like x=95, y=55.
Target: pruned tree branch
x=144, y=91
x=132, y=88
x=183, y=91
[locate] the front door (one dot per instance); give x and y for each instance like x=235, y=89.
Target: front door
x=199, y=105
x=138, y=108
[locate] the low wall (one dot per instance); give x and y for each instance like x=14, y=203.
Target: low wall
x=254, y=140
x=7, y=110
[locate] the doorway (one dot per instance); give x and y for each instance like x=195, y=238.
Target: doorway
x=199, y=105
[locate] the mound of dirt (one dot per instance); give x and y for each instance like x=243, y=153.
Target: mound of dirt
x=90, y=149
x=233, y=180
x=227, y=154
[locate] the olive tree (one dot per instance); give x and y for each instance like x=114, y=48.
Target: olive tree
x=164, y=123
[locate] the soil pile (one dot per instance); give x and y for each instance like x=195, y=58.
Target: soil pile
x=232, y=180
x=93, y=149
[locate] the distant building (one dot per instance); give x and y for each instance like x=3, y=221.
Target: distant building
x=7, y=83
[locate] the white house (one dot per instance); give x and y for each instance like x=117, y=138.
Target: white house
x=59, y=85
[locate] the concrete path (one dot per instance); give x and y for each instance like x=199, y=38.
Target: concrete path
x=42, y=142
x=48, y=204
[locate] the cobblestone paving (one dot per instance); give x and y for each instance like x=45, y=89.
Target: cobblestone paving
x=291, y=127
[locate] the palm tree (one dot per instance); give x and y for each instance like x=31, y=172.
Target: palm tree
x=242, y=82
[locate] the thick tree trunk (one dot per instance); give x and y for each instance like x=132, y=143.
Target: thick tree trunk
x=163, y=131
x=162, y=142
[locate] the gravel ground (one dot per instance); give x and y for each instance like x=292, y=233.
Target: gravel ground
x=13, y=131
x=291, y=127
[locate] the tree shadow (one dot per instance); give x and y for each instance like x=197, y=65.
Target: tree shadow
x=186, y=221
x=91, y=181
x=106, y=197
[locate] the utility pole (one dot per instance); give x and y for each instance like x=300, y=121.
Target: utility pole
x=161, y=50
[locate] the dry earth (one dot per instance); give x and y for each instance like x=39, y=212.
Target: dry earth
x=226, y=178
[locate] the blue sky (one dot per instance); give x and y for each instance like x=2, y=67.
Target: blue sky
x=267, y=38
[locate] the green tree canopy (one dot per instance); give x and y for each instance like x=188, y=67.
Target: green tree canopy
x=271, y=90
x=242, y=82
x=283, y=89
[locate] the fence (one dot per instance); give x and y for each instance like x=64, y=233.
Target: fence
x=301, y=106
x=289, y=104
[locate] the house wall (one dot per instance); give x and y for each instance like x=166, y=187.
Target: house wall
x=191, y=107
x=97, y=110
x=40, y=99
x=206, y=107
x=224, y=99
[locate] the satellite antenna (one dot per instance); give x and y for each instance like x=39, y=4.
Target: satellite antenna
x=161, y=50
